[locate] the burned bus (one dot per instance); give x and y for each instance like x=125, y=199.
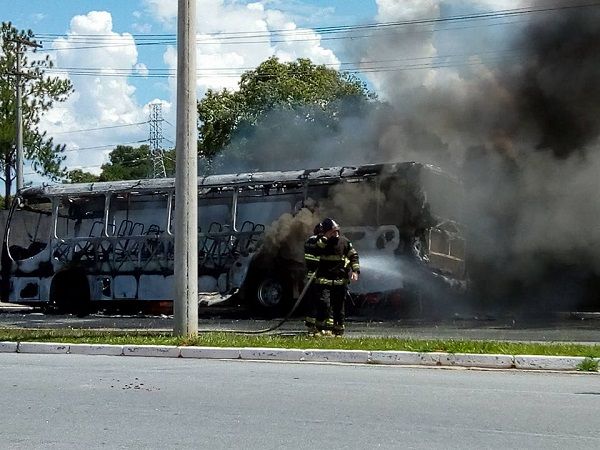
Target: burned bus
x=71, y=246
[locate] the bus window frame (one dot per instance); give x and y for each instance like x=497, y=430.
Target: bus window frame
x=19, y=204
x=110, y=197
x=56, y=201
x=280, y=190
x=230, y=203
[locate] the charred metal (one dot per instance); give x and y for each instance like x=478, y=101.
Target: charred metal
x=113, y=241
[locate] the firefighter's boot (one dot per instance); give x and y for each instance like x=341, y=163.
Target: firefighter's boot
x=338, y=329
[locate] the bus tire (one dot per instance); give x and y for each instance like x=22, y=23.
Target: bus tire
x=70, y=293
x=269, y=295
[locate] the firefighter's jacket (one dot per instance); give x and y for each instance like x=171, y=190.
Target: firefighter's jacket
x=332, y=259
x=311, y=255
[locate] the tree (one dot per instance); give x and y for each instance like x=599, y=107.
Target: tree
x=79, y=176
x=302, y=91
x=125, y=163
x=40, y=92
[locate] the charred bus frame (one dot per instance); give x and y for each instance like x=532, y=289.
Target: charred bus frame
x=72, y=244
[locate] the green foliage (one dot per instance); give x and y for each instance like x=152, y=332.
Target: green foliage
x=588, y=365
x=126, y=163
x=40, y=93
x=309, y=93
x=169, y=159
x=79, y=176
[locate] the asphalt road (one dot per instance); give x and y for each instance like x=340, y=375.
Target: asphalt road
x=569, y=330
x=74, y=401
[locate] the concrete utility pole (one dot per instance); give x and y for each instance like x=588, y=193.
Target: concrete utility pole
x=19, y=113
x=19, y=119
x=185, y=307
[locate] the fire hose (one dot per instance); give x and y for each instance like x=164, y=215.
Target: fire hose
x=282, y=321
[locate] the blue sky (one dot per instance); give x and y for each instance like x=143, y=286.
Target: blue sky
x=115, y=44
x=135, y=17
x=104, y=102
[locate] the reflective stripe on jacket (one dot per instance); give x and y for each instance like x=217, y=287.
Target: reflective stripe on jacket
x=311, y=255
x=333, y=259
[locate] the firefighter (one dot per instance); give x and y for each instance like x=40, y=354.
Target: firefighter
x=335, y=261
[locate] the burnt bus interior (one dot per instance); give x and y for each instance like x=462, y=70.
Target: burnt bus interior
x=29, y=232
x=111, y=241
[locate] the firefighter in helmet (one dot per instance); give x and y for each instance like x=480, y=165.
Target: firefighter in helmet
x=334, y=262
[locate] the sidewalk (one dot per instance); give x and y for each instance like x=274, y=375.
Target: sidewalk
x=582, y=329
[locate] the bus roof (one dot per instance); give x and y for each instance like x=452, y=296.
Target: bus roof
x=227, y=180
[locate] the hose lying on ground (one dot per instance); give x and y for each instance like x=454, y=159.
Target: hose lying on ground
x=281, y=322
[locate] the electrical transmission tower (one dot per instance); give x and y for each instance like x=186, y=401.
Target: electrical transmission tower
x=156, y=138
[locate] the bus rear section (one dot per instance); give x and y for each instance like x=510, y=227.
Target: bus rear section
x=406, y=223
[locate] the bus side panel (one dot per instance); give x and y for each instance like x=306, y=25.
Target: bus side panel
x=125, y=287
x=29, y=290
x=156, y=287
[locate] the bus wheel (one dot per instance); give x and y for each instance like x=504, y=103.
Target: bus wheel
x=270, y=296
x=70, y=293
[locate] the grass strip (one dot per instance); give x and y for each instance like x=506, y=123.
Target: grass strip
x=217, y=339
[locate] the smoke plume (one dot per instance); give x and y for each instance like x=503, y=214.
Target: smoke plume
x=523, y=132
x=511, y=106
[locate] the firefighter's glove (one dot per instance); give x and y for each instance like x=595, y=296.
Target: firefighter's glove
x=354, y=276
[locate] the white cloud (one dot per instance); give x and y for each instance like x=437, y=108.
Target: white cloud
x=401, y=43
x=141, y=69
x=142, y=28
x=221, y=58
x=406, y=9
x=165, y=11
x=108, y=99
x=104, y=100
x=499, y=5
x=37, y=17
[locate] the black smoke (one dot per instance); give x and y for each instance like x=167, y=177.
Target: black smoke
x=556, y=91
x=521, y=129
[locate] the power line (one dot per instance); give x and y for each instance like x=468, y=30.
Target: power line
x=336, y=28
x=93, y=166
x=357, y=68
x=240, y=37
x=105, y=146
x=217, y=40
x=100, y=128
x=269, y=39
x=222, y=70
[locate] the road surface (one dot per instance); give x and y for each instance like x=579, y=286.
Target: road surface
x=75, y=401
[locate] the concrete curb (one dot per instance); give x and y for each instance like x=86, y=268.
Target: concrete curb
x=400, y=358
x=42, y=347
x=8, y=347
x=165, y=351
x=547, y=362
x=210, y=352
x=96, y=349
